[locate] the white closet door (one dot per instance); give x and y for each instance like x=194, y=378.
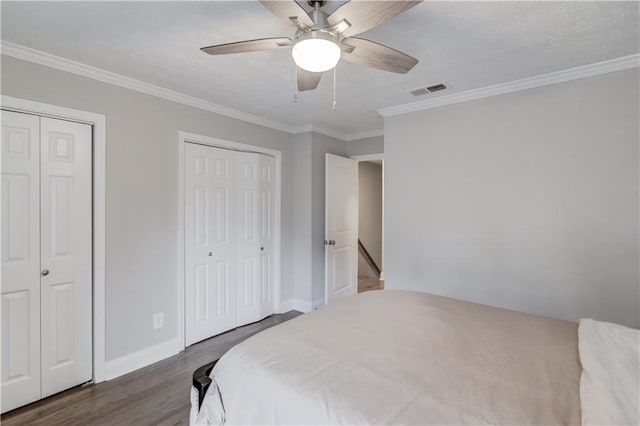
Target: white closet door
x=248, y=238
x=210, y=266
x=267, y=197
x=20, y=260
x=65, y=161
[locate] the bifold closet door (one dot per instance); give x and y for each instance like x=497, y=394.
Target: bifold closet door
x=255, y=236
x=46, y=257
x=66, y=254
x=210, y=242
x=20, y=259
x=229, y=239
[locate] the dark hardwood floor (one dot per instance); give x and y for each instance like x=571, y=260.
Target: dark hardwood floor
x=154, y=395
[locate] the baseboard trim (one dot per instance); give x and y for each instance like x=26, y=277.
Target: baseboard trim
x=142, y=358
x=318, y=303
x=286, y=306
x=301, y=305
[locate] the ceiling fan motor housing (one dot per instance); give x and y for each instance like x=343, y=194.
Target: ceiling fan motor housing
x=316, y=48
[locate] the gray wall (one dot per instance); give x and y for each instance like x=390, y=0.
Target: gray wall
x=309, y=151
x=370, y=214
x=373, y=145
x=302, y=259
x=526, y=201
x=141, y=192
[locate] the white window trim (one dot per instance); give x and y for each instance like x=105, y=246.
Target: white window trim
x=98, y=121
x=183, y=138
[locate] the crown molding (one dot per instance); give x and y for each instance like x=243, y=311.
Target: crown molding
x=308, y=128
x=336, y=134
x=52, y=61
x=364, y=135
x=591, y=70
x=67, y=65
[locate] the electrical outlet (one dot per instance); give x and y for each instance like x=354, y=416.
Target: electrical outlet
x=158, y=320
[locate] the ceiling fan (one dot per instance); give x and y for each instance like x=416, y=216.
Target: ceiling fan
x=322, y=39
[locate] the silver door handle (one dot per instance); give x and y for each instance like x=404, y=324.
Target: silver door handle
x=329, y=242
x=45, y=272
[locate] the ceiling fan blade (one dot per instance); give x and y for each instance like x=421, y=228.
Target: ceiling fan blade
x=289, y=11
x=364, y=15
x=375, y=55
x=248, y=46
x=308, y=80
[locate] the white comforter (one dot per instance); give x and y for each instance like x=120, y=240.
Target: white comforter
x=392, y=357
x=610, y=383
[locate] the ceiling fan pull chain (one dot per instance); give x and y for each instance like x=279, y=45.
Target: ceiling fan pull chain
x=295, y=82
x=334, y=88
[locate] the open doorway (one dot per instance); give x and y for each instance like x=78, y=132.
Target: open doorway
x=370, y=223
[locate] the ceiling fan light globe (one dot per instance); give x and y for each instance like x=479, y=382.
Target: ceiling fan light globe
x=316, y=54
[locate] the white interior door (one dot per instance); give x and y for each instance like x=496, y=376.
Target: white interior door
x=267, y=225
x=255, y=236
x=46, y=257
x=229, y=239
x=210, y=242
x=66, y=254
x=341, y=227
x=20, y=260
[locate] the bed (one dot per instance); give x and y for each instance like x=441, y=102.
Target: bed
x=396, y=357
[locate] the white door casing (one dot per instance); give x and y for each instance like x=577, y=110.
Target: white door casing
x=210, y=243
x=341, y=227
x=66, y=299
x=20, y=259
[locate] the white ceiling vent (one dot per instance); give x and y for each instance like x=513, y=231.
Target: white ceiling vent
x=419, y=92
x=429, y=89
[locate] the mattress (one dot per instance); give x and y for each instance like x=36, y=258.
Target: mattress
x=397, y=357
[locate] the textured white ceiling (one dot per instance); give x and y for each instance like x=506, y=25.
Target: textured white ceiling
x=467, y=44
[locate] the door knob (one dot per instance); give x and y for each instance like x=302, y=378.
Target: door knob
x=332, y=242
x=45, y=272
x=210, y=254
x=261, y=248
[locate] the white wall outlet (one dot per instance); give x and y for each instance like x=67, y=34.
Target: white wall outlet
x=158, y=320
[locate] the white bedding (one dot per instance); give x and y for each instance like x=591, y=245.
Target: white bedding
x=610, y=382
x=394, y=357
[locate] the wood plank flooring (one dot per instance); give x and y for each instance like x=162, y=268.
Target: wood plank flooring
x=154, y=395
x=369, y=283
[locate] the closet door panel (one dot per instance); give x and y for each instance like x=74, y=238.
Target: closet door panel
x=266, y=195
x=248, y=238
x=255, y=252
x=210, y=264
x=20, y=331
x=66, y=253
